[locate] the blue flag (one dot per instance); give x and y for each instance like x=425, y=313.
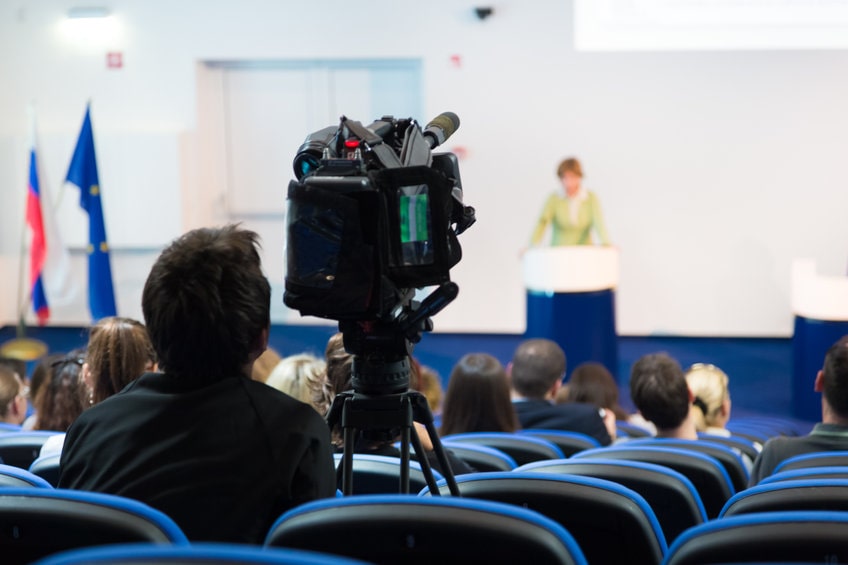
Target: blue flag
x=83, y=174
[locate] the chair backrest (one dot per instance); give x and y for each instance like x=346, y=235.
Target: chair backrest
x=611, y=523
x=704, y=471
x=16, y=477
x=425, y=530
x=47, y=467
x=4, y=427
x=22, y=448
x=673, y=498
x=743, y=445
x=569, y=442
x=807, y=473
x=522, y=448
x=483, y=458
x=811, y=494
x=198, y=553
x=632, y=430
x=380, y=474
x=767, y=537
x=753, y=432
x=818, y=459
x=730, y=459
x=53, y=520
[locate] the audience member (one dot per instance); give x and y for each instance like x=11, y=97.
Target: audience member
x=264, y=364
x=430, y=385
x=660, y=393
x=536, y=373
x=339, y=364
x=13, y=397
x=118, y=352
x=61, y=399
x=478, y=399
x=221, y=454
x=303, y=377
x=592, y=383
x=708, y=384
x=831, y=434
x=40, y=374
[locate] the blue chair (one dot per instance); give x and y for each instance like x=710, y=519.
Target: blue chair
x=818, y=459
x=811, y=494
x=16, y=477
x=611, y=523
x=741, y=444
x=673, y=498
x=47, y=467
x=380, y=474
x=53, y=520
x=522, y=448
x=753, y=432
x=416, y=529
x=767, y=537
x=730, y=459
x=569, y=442
x=4, y=427
x=807, y=473
x=705, y=472
x=632, y=430
x=198, y=553
x=22, y=448
x=482, y=458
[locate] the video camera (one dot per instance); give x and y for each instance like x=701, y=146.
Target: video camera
x=374, y=215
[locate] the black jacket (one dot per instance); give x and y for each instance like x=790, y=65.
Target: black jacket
x=571, y=416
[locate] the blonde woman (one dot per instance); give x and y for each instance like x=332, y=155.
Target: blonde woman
x=303, y=377
x=711, y=407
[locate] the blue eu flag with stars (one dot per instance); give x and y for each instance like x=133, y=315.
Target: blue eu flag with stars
x=83, y=174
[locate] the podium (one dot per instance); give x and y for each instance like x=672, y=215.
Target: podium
x=571, y=300
x=820, y=307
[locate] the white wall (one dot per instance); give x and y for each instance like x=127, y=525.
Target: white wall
x=715, y=169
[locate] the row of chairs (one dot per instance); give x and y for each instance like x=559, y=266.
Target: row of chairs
x=396, y=528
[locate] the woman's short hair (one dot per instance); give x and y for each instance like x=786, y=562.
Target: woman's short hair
x=10, y=387
x=570, y=165
x=478, y=397
x=303, y=377
x=339, y=364
x=119, y=351
x=708, y=384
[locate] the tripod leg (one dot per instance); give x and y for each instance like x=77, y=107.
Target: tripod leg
x=425, y=465
x=404, y=460
x=444, y=463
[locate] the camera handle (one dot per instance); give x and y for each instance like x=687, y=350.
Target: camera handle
x=357, y=412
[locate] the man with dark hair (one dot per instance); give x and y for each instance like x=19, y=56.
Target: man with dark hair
x=536, y=373
x=221, y=454
x=659, y=391
x=831, y=434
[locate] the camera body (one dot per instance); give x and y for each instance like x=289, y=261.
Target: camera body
x=371, y=219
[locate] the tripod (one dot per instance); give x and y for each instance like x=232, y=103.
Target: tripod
x=380, y=403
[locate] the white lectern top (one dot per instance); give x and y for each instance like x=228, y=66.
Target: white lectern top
x=819, y=297
x=571, y=268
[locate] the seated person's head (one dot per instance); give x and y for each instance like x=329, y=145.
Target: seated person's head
x=303, y=377
x=708, y=384
x=537, y=368
x=119, y=351
x=207, y=303
x=61, y=399
x=832, y=380
x=430, y=385
x=592, y=383
x=339, y=364
x=659, y=391
x=13, y=402
x=478, y=399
